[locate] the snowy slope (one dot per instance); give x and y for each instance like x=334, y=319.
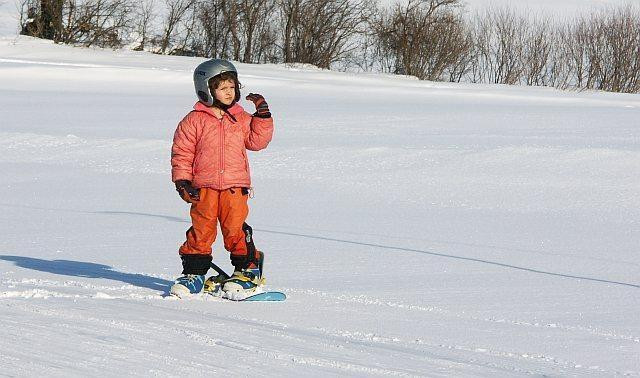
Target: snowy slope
x=420, y=229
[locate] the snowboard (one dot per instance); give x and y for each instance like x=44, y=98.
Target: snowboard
x=213, y=284
x=266, y=296
x=263, y=296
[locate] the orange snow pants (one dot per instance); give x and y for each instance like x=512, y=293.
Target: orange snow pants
x=230, y=208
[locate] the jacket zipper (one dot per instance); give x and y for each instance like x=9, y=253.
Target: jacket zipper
x=221, y=171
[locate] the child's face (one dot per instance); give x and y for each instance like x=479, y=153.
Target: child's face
x=226, y=92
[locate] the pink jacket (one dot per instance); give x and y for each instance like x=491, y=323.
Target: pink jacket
x=212, y=152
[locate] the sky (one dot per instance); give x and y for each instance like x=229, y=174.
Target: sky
x=556, y=7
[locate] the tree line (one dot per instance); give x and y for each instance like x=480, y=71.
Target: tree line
x=429, y=39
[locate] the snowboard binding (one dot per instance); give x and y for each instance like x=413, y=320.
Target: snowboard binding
x=245, y=277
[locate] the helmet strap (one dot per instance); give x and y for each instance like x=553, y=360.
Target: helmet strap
x=218, y=104
x=225, y=108
x=229, y=114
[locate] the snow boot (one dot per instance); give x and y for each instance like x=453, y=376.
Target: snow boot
x=243, y=283
x=188, y=284
x=213, y=285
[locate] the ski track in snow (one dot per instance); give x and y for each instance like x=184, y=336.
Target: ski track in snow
x=43, y=290
x=470, y=355
x=372, y=301
x=336, y=339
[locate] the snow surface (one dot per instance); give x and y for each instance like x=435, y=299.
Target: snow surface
x=419, y=228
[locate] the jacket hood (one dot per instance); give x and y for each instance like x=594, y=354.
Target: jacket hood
x=234, y=110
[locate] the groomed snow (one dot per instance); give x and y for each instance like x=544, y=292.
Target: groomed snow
x=419, y=228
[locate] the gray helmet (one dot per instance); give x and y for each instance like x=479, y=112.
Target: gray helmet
x=207, y=70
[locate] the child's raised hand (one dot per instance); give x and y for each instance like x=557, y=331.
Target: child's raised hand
x=262, y=109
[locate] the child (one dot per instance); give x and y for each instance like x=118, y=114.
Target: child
x=211, y=172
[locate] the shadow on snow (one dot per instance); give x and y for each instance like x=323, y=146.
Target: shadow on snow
x=89, y=270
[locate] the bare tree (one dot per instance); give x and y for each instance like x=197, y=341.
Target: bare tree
x=465, y=54
x=620, y=68
x=573, y=50
x=539, y=44
x=103, y=23
x=255, y=23
x=41, y=18
x=500, y=37
x=29, y=14
x=290, y=16
x=145, y=17
x=423, y=39
x=211, y=40
x=231, y=11
x=234, y=29
x=321, y=32
x=176, y=11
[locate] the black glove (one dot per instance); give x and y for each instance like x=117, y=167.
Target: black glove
x=187, y=191
x=262, y=109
